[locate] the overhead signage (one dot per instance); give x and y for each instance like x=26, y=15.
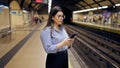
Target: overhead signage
x=39, y=1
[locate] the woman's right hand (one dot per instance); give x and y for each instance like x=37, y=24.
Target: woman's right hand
x=68, y=41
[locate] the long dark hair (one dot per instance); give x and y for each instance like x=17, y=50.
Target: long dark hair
x=53, y=12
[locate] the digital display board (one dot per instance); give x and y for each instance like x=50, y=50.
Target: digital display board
x=39, y=1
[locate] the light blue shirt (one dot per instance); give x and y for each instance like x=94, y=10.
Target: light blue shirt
x=50, y=44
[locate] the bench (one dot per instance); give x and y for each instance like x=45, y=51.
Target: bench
x=5, y=32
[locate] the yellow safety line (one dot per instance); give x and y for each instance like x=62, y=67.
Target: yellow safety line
x=70, y=66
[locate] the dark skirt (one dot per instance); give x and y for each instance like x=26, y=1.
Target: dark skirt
x=57, y=60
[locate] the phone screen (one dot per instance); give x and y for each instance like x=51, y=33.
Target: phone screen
x=73, y=35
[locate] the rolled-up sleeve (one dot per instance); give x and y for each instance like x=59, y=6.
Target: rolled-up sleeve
x=47, y=42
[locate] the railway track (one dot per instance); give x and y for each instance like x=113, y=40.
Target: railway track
x=96, y=51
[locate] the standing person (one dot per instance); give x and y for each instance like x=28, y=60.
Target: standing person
x=36, y=20
x=42, y=18
x=55, y=40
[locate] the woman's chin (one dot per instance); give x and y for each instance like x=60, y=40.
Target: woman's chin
x=60, y=23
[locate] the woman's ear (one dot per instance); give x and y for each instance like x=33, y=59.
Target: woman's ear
x=52, y=18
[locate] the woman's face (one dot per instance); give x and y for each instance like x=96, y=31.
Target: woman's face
x=58, y=18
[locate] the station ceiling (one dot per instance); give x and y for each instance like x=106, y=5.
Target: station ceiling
x=73, y=5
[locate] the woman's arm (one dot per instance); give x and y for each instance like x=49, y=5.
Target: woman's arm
x=47, y=42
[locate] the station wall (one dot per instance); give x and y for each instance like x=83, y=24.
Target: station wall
x=78, y=17
x=4, y=18
x=16, y=14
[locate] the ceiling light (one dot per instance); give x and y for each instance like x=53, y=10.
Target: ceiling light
x=6, y=7
x=92, y=9
x=117, y=4
x=1, y=5
x=25, y=11
x=49, y=5
x=85, y=10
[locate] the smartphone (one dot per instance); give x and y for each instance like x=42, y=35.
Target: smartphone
x=73, y=35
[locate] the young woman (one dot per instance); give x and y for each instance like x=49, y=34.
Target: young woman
x=55, y=40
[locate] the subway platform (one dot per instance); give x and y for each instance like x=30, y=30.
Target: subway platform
x=100, y=26
x=23, y=49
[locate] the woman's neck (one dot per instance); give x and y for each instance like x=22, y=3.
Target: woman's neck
x=57, y=27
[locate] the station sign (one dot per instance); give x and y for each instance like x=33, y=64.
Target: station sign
x=39, y=1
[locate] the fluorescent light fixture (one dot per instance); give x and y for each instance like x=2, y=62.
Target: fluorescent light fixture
x=85, y=10
x=117, y=4
x=1, y=5
x=49, y=5
x=103, y=7
x=99, y=7
x=25, y=11
x=92, y=9
x=114, y=6
x=6, y=7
